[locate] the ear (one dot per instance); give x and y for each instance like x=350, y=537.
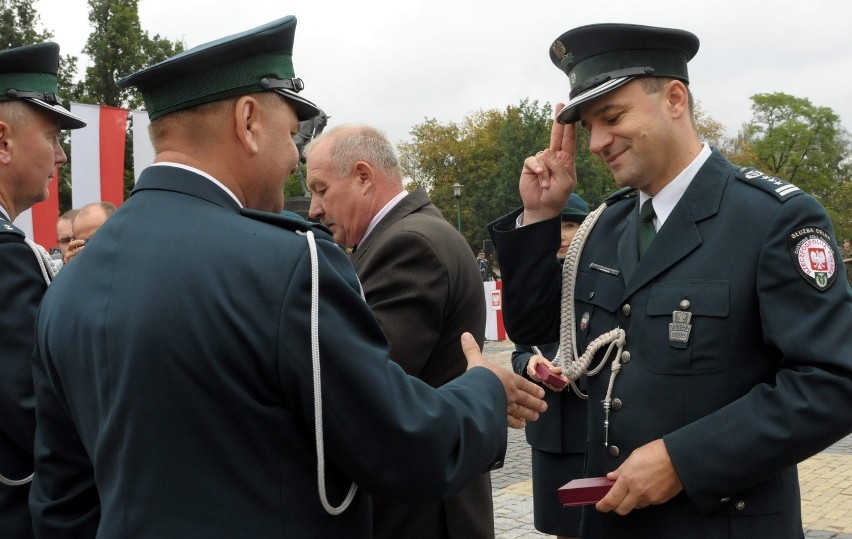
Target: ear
x=247, y=123
x=677, y=98
x=365, y=175
x=5, y=144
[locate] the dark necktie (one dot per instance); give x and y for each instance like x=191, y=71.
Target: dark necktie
x=646, y=226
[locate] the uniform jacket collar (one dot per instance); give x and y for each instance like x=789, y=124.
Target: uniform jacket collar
x=681, y=234
x=179, y=180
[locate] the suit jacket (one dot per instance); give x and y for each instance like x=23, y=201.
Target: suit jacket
x=562, y=427
x=21, y=289
x=174, y=382
x=423, y=285
x=756, y=386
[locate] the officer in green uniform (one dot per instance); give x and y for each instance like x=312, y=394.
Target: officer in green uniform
x=710, y=296
x=208, y=367
x=31, y=120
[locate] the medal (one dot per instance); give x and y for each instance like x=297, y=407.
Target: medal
x=680, y=327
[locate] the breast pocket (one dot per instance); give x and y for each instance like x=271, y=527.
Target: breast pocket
x=597, y=296
x=693, y=315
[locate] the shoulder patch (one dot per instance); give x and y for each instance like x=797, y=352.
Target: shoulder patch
x=8, y=228
x=813, y=253
x=623, y=194
x=783, y=190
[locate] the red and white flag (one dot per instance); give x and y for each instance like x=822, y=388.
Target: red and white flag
x=97, y=155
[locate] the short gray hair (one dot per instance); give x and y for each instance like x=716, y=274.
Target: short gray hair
x=353, y=143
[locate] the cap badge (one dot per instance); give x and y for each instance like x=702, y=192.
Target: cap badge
x=562, y=53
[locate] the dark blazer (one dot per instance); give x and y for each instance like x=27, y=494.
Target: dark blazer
x=423, y=285
x=758, y=385
x=174, y=383
x=21, y=289
x=562, y=428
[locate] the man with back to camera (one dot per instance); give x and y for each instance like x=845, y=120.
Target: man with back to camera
x=31, y=119
x=252, y=395
x=716, y=285
x=423, y=287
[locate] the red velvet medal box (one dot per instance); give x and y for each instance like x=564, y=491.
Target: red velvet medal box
x=544, y=373
x=584, y=491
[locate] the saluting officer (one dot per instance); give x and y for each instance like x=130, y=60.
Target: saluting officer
x=717, y=287
x=209, y=367
x=31, y=119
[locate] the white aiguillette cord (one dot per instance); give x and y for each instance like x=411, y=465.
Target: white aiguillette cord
x=573, y=365
x=48, y=272
x=315, y=359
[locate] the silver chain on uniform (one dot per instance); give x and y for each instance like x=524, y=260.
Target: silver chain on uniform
x=573, y=364
x=315, y=359
x=48, y=272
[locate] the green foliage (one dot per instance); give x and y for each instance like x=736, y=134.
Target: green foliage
x=19, y=22
x=793, y=139
x=485, y=154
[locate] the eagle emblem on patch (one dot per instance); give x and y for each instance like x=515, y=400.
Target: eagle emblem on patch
x=813, y=253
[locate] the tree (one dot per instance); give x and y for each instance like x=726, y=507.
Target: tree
x=795, y=140
x=484, y=153
x=116, y=48
x=19, y=22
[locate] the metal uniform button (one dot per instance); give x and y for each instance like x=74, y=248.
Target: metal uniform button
x=626, y=309
x=614, y=451
x=617, y=405
x=684, y=304
x=740, y=505
x=625, y=357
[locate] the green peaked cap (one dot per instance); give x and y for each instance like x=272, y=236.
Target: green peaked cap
x=257, y=60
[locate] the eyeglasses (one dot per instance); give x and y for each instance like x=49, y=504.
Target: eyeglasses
x=64, y=240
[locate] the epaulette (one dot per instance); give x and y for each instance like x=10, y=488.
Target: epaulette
x=8, y=228
x=783, y=190
x=287, y=219
x=623, y=194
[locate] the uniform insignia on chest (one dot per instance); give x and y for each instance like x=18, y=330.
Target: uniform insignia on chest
x=813, y=253
x=680, y=327
x=584, y=321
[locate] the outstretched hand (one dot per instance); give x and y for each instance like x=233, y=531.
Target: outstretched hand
x=549, y=177
x=523, y=398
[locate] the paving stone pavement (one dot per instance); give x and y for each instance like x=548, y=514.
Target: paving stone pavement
x=825, y=481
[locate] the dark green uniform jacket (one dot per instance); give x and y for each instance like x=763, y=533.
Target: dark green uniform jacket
x=764, y=379
x=21, y=288
x=174, y=391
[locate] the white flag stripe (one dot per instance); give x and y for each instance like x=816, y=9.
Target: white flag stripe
x=86, y=156
x=143, y=151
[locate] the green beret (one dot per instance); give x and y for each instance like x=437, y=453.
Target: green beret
x=575, y=209
x=257, y=60
x=599, y=58
x=29, y=74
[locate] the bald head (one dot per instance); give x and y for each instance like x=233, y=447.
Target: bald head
x=90, y=218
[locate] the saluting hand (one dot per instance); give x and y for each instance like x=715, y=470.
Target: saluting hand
x=523, y=398
x=549, y=177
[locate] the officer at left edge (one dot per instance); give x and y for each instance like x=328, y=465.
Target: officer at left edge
x=31, y=119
